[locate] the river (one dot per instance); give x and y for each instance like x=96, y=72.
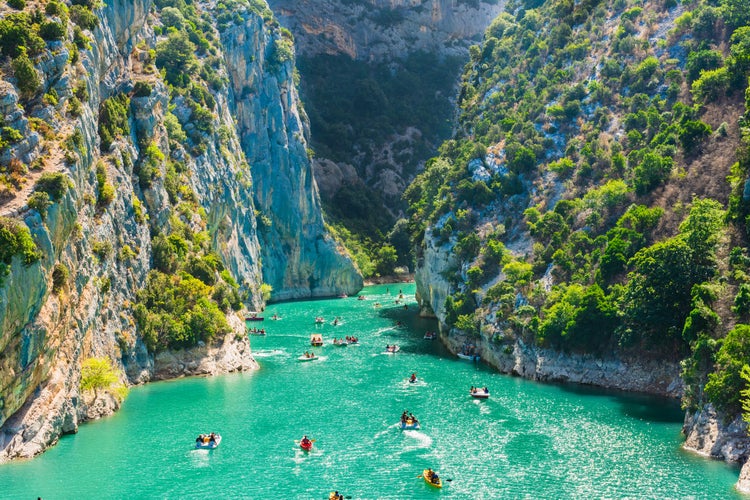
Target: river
x=529, y=440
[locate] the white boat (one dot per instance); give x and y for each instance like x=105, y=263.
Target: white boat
x=341, y=342
x=469, y=357
x=307, y=358
x=430, y=336
x=207, y=444
x=480, y=394
x=316, y=340
x=392, y=349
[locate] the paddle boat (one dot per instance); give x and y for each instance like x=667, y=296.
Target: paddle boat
x=430, y=336
x=257, y=331
x=361, y=297
x=430, y=477
x=392, y=349
x=478, y=393
x=410, y=424
x=316, y=340
x=253, y=316
x=319, y=320
x=308, y=356
x=335, y=495
x=352, y=340
x=306, y=444
x=340, y=342
x=208, y=441
x=408, y=421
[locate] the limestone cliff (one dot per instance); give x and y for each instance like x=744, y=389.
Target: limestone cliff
x=385, y=29
x=300, y=259
x=175, y=170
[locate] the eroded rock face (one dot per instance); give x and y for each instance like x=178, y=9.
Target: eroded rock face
x=708, y=433
x=384, y=29
x=300, y=259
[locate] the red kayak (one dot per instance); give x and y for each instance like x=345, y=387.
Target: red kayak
x=306, y=445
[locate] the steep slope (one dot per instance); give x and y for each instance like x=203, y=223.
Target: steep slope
x=587, y=220
x=299, y=258
x=128, y=229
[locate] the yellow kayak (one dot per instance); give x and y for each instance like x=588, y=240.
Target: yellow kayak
x=427, y=476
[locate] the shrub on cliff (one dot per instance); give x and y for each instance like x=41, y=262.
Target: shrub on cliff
x=40, y=202
x=113, y=119
x=15, y=239
x=55, y=184
x=176, y=56
x=27, y=78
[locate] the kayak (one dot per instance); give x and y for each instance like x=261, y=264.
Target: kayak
x=335, y=495
x=409, y=425
x=413, y=380
x=393, y=350
x=307, y=358
x=428, y=479
x=306, y=446
x=209, y=445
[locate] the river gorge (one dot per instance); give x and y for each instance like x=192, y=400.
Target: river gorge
x=528, y=439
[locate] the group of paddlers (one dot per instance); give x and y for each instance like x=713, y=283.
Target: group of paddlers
x=408, y=418
x=346, y=340
x=206, y=438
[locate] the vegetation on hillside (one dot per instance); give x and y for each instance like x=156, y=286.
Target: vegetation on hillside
x=606, y=129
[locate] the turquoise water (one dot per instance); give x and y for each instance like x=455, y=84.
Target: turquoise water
x=528, y=440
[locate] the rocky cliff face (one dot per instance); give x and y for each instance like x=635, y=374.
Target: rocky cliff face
x=384, y=29
x=300, y=259
x=51, y=325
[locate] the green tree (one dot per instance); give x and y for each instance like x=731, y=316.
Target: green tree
x=176, y=55
x=96, y=374
x=386, y=259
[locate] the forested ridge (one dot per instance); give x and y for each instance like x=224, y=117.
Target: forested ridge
x=594, y=193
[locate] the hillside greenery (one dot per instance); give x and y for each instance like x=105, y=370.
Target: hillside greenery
x=591, y=143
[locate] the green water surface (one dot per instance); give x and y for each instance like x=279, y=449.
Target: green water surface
x=528, y=440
